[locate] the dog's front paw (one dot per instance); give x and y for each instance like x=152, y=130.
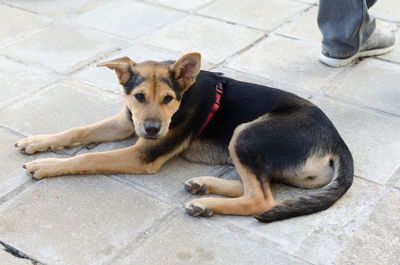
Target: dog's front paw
x=38, y=143
x=196, y=186
x=196, y=208
x=42, y=168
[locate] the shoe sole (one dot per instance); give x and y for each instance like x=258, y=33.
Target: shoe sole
x=333, y=62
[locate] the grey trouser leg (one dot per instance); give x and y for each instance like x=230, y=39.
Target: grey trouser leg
x=345, y=25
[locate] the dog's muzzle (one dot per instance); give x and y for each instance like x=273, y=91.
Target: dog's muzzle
x=152, y=128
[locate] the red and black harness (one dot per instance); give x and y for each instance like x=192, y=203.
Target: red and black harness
x=219, y=90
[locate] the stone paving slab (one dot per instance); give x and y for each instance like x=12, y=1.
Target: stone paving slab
x=182, y=4
x=395, y=54
x=7, y=258
x=387, y=9
x=14, y=176
x=371, y=83
x=192, y=34
x=377, y=160
x=54, y=8
x=395, y=179
x=191, y=240
x=77, y=220
x=121, y=21
x=308, y=1
x=317, y=238
x=378, y=240
x=78, y=46
x=288, y=61
x=19, y=23
x=19, y=80
x=63, y=105
x=397, y=184
x=304, y=27
x=261, y=14
x=168, y=182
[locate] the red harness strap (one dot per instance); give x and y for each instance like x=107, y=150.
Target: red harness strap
x=219, y=91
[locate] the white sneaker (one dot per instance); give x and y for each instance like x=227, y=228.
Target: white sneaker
x=379, y=43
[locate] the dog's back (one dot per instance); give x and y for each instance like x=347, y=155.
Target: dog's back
x=276, y=135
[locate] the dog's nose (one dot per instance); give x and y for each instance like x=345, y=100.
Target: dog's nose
x=152, y=127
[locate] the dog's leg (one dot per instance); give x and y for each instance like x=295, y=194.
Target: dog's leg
x=116, y=128
x=129, y=160
x=125, y=160
x=256, y=198
x=214, y=185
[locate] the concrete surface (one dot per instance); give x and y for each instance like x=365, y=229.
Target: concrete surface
x=49, y=82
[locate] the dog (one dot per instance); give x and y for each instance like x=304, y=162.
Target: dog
x=176, y=109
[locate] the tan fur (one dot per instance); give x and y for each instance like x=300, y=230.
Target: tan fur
x=214, y=185
x=187, y=78
x=253, y=197
x=111, y=129
x=315, y=173
x=249, y=195
x=201, y=151
x=254, y=200
x=155, y=91
x=128, y=160
x=122, y=66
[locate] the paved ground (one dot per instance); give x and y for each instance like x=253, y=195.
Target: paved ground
x=48, y=53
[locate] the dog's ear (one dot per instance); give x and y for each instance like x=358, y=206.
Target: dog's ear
x=186, y=69
x=122, y=66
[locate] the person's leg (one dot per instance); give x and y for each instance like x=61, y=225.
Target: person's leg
x=349, y=32
x=344, y=24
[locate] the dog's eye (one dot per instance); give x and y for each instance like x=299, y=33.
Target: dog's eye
x=167, y=99
x=140, y=97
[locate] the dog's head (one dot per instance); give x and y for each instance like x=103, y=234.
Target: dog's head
x=153, y=90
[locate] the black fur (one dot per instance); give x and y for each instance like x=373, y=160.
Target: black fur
x=290, y=130
x=133, y=82
x=187, y=121
x=171, y=81
x=320, y=199
x=129, y=115
x=293, y=135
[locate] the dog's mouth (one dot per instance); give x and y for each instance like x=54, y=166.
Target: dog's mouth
x=150, y=137
x=150, y=130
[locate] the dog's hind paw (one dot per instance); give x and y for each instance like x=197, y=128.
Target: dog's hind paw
x=193, y=187
x=195, y=209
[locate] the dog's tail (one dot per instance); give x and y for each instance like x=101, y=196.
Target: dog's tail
x=320, y=199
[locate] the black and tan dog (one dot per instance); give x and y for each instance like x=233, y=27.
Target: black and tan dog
x=268, y=134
